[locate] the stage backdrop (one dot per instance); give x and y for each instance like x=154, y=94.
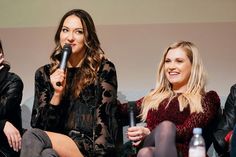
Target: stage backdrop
x=133, y=35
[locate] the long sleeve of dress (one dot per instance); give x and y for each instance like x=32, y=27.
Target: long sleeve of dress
x=108, y=105
x=226, y=123
x=44, y=115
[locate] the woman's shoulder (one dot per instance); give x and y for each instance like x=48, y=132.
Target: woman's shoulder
x=43, y=69
x=108, y=62
x=212, y=96
x=107, y=65
x=211, y=93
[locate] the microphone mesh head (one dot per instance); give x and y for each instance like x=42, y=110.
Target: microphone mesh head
x=68, y=48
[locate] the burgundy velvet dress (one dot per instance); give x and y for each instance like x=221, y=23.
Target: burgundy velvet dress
x=185, y=121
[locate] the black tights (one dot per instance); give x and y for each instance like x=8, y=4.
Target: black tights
x=36, y=143
x=160, y=142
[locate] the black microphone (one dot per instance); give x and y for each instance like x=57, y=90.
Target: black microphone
x=66, y=51
x=132, y=105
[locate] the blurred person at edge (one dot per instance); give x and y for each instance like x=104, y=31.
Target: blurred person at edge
x=11, y=88
x=225, y=134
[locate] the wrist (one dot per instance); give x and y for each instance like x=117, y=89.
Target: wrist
x=57, y=94
x=56, y=98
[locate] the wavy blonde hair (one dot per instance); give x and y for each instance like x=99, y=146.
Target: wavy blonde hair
x=163, y=89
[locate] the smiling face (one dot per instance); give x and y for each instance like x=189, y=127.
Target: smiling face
x=72, y=33
x=177, y=69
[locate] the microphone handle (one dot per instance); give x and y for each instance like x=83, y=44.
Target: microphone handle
x=66, y=51
x=132, y=118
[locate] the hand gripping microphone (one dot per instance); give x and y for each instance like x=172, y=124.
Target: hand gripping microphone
x=66, y=51
x=132, y=105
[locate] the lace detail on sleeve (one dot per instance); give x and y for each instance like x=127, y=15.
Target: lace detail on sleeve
x=44, y=115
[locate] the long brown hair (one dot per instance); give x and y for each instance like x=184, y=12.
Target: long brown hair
x=163, y=89
x=93, y=54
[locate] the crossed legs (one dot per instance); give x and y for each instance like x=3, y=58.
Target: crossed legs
x=39, y=143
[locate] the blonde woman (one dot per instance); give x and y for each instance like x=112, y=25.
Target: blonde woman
x=178, y=103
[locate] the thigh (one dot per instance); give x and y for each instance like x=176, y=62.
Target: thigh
x=64, y=145
x=146, y=152
x=149, y=140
